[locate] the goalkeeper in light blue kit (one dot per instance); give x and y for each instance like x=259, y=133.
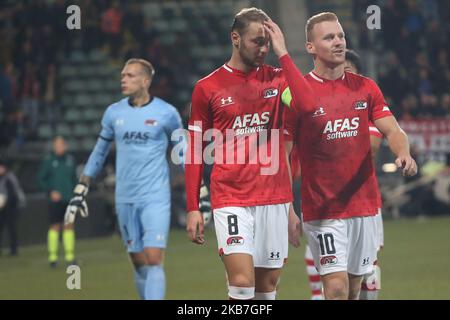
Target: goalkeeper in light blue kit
x=141, y=126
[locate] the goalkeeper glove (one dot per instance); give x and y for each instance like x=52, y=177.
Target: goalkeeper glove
x=205, y=204
x=77, y=204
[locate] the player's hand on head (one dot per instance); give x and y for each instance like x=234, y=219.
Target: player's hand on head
x=77, y=204
x=408, y=165
x=294, y=228
x=195, y=227
x=276, y=37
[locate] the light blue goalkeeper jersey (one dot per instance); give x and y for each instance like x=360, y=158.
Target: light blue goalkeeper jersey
x=142, y=136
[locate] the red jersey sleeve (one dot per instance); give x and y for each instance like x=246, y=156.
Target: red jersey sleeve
x=303, y=97
x=378, y=106
x=200, y=120
x=290, y=123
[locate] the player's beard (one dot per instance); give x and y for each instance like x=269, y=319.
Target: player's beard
x=248, y=58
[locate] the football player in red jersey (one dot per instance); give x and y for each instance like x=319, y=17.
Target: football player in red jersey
x=339, y=187
x=250, y=199
x=371, y=283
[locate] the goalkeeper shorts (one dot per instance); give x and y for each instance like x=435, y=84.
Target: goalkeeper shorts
x=144, y=225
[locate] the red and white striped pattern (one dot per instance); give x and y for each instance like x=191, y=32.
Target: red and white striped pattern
x=313, y=276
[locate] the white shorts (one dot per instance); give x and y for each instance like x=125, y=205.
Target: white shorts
x=260, y=231
x=348, y=245
x=380, y=230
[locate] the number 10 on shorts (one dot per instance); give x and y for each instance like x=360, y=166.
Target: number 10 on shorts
x=233, y=225
x=326, y=242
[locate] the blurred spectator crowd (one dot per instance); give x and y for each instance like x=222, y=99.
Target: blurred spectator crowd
x=35, y=42
x=412, y=64
x=413, y=61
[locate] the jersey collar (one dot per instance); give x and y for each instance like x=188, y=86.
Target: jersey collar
x=240, y=73
x=323, y=80
x=144, y=105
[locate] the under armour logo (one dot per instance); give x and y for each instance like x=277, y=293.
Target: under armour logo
x=275, y=255
x=226, y=101
x=319, y=112
x=365, y=261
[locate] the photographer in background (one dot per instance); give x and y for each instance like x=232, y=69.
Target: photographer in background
x=12, y=198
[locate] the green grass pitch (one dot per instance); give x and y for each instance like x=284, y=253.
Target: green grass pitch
x=415, y=264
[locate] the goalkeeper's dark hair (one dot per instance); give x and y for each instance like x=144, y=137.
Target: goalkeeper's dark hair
x=244, y=17
x=354, y=59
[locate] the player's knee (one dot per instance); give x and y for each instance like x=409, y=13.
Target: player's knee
x=336, y=289
x=154, y=260
x=267, y=284
x=241, y=293
x=68, y=226
x=56, y=227
x=138, y=259
x=336, y=292
x=153, y=257
x=241, y=281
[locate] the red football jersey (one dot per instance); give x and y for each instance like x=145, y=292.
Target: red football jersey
x=338, y=176
x=245, y=104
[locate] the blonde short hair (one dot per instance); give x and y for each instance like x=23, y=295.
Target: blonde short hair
x=318, y=18
x=146, y=66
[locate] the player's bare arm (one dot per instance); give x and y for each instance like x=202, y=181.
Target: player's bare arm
x=399, y=144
